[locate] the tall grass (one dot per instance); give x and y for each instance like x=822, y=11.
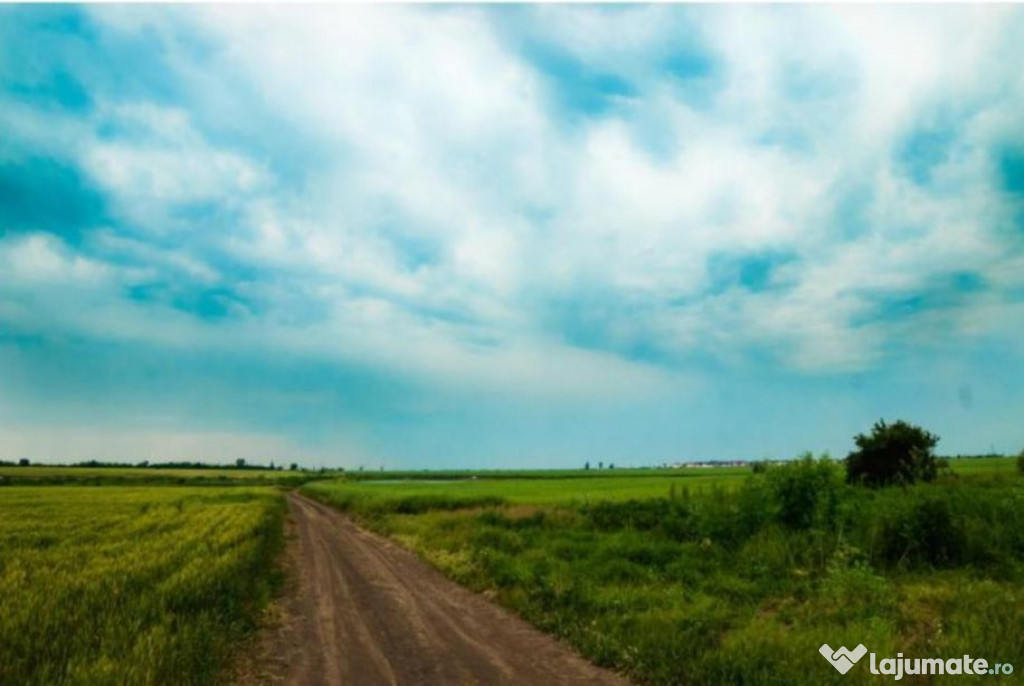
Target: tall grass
x=130, y=585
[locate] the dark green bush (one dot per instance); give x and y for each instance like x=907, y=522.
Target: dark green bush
x=948, y=525
x=927, y=534
x=898, y=453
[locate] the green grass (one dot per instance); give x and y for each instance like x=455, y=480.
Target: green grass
x=540, y=474
x=138, y=472
x=990, y=466
x=529, y=491
x=131, y=585
x=57, y=475
x=726, y=578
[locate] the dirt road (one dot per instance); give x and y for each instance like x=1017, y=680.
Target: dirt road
x=364, y=611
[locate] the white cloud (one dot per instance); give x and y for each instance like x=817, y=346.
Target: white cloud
x=452, y=200
x=41, y=260
x=163, y=164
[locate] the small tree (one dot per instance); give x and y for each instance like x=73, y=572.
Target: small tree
x=1020, y=462
x=24, y=462
x=240, y=463
x=294, y=466
x=898, y=453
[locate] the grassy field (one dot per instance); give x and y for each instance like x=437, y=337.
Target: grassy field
x=730, y=577
x=991, y=466
x=56, y=475
x=397, y=494
x=131, y=585
x=540, y=474
x=35, y=471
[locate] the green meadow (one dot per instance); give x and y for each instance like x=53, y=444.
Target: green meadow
x=564, y=488
x=44, y=471
x=78, y=475
x=728, y=576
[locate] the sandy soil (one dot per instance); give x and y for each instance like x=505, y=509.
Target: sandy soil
x=361, y=610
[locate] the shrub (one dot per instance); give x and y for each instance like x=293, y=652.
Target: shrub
x=670, y=517
x=806, y=492
x=923, y=530
x=1020, y=462
x=898, y=453
x=418, y=504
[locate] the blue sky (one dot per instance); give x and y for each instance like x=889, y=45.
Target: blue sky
x=507, y=236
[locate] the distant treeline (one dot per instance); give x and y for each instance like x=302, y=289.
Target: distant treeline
x=97, y=464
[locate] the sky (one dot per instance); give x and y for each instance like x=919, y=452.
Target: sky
x=508, y=236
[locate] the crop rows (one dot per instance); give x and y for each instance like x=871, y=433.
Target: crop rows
x=130, y=585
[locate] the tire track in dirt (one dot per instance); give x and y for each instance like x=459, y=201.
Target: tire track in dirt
x=365, y=611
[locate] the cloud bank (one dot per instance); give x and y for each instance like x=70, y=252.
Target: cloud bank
x=415, y=234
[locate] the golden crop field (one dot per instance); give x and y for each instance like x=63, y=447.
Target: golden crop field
x=130, y=585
